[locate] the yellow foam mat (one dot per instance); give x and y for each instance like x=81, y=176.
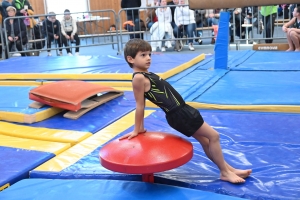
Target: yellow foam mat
x=108, y=76
x=29, y=118
x=30, y=144
x=45, y=134
x=255, y=108
x=122, y=86
x=75, y=153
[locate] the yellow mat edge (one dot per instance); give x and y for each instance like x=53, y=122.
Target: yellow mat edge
x=182, y=67
x=37, y=83
x=29, y=118
x=255, y=108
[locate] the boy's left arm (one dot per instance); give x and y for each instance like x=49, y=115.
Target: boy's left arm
x=138, y=90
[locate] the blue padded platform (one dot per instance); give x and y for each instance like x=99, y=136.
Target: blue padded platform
x=270, y=60
x=88, y=64
x=102, y=189
x=16, y=163
x=249, y=140
x=197, y=82
x=95, y=119
x=253, y=88
x=16, y=99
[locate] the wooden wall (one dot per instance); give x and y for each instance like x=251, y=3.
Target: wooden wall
x=38, y=6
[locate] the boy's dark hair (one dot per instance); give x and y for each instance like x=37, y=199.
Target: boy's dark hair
x=133, y=46
x=298, y=9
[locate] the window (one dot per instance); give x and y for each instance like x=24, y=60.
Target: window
x=59, y=6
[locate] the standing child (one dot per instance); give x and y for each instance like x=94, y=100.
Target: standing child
x=180, y=116
x=293, y=34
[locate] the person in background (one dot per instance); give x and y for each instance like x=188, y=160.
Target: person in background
x=185, y=21
x=177, y=33
x=133, y=15
x=268, y=17
x=212, y=16
x=3, y=15
x=51, y=29
x=5, y=4
x=16, y=31
x=151, y=15
x=162, y=29
x=293, y=33
x=24, y=8
x=69, y=30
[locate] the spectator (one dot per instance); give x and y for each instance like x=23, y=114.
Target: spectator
x=293, y=34
x=51, y=29
x=268, y=17
x=3, y=14
x=248, y=13
x=5, y=4
x=185, y=21
x=24, y=8
x=162, y=29
x=133, y=15
x=151, y=15
x=200, y=21
x=213, y=16
x=69, y=29
x=16, y=31
x=176, y=32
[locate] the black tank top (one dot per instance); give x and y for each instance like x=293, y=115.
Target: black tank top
x=162, y=94
x=296, y=24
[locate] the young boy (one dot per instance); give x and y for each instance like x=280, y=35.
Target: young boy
x=180, y=116
x=293, y=34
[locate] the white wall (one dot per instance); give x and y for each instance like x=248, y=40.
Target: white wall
x=58, y=6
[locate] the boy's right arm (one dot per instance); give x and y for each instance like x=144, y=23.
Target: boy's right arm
x=138, y=90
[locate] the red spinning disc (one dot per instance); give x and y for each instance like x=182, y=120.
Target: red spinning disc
x=147, y=153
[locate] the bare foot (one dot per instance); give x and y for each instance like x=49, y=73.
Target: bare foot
x=239, y=172
x=297, y=49
x=242, y=173
x=231, y=177
x=290, y=49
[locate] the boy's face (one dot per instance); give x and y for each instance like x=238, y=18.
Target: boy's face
x=142, y=60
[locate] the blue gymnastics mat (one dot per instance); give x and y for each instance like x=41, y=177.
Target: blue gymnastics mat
x=249, y=140
x=16, y=163
x=252, y=78
x=20, y=155
x=16, y=99
x=102, y=189
x=88, y=64
x=253, y=88
x=269, y=61
x=95, y=119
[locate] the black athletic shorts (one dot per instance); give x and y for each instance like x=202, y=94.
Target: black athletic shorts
x=187, y=120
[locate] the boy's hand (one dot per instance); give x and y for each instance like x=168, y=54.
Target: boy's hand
x=131, y=135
